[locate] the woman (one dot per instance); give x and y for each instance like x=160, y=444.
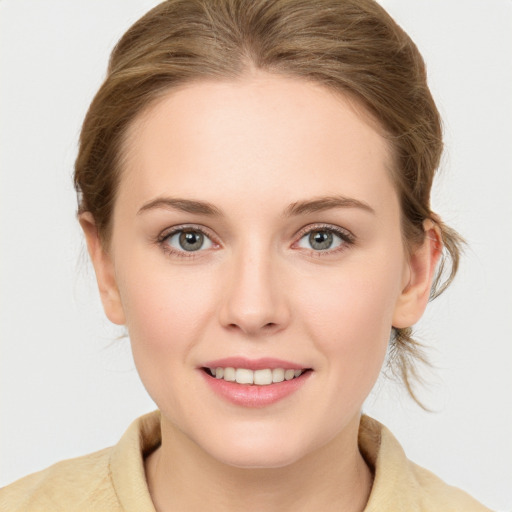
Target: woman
x=254, y=182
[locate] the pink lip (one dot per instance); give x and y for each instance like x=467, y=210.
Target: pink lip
x=253, y=364
x=254, y=396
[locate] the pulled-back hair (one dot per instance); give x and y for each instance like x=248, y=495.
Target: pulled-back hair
x=350, y=46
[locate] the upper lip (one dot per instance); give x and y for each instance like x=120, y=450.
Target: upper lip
x=253, y=364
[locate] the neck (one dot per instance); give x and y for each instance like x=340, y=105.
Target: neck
x=335, y=477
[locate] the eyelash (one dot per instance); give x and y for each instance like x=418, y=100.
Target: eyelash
x=347, y=239
x=161, y=240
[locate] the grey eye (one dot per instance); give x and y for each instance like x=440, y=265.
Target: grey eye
x=189, y=240
x=320, y=240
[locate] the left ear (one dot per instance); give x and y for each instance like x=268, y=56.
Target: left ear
x=421, y=265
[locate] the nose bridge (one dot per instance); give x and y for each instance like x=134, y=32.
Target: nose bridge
x=254, y=300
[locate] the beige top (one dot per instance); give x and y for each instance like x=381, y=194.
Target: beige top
x=113, y=479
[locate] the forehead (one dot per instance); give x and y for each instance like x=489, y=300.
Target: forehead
x=253, y=137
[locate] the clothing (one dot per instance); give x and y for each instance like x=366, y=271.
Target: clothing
x=113, y=479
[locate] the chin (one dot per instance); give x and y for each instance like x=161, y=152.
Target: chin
x=258, y=451
x=257, y=459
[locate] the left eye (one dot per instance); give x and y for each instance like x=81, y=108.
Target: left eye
x=321, y=240
x=190, y=240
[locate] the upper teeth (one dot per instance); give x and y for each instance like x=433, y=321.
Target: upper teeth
x=258, y=377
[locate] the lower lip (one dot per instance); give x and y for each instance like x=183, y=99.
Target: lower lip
x=247, y=395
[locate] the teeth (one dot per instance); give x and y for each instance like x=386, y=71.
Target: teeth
x=229, y=374
x=263, y=377
x=278, y=375
x=289, y=374
x=244, y=376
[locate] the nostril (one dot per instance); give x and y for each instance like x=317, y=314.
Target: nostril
x=268, y=326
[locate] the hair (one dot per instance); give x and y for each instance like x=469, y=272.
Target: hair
x=350, y=46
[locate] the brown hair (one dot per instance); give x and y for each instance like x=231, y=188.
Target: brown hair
x=351, y=46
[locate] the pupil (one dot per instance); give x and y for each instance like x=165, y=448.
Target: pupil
x=191, y=240
x=320, y=240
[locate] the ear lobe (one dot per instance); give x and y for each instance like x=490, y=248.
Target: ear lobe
x=104, y=270
x=422, y=265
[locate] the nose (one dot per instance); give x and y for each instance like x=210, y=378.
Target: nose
x=254, y=296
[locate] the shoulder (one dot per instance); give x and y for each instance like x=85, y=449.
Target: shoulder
x=401, y=485
x=438, y=495
x=81, y=484
x=110, y=480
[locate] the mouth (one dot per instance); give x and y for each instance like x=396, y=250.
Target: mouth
x=260, y=377
x=254, y=383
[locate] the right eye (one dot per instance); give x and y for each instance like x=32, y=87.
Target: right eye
x=187, y=240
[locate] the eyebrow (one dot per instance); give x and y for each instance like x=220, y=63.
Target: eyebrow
x=325, y=203
x=183, y=205
x=297, y=208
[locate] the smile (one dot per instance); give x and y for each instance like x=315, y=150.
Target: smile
x=264, y=383
x=262, y=377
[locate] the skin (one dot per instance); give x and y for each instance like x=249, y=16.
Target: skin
x=252, y=148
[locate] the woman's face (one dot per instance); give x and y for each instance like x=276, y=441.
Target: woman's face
x=256, y=227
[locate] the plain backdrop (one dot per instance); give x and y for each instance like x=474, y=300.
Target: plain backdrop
x=67, y=382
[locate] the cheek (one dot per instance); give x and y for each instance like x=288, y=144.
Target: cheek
x=166, y=311
x=351, y=303
x=348, y=315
